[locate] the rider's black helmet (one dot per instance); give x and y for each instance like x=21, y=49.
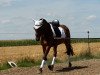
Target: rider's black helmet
x=55, y=22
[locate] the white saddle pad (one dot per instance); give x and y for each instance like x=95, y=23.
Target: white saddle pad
x=62, y=32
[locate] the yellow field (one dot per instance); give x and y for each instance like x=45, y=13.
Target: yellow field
x=35, y=52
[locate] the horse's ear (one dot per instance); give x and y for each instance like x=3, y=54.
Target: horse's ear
x=33, y=20
x=43, y=20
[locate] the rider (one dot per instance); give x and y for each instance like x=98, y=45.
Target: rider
x=55, y=23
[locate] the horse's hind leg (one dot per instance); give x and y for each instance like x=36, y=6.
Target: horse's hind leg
x=69, y=52
x=53, y=60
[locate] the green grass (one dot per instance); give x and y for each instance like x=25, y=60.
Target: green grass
x=5, y=43
x=4, y=66
x=97, y=56
x=86, y=40
x=27, y=62
x=85, y=56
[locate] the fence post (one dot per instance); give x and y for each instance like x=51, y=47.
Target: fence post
x=88, y=42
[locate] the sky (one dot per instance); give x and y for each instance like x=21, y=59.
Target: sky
x=79, y=16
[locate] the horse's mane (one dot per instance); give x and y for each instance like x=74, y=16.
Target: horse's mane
x=46, y=27
x=44, y=21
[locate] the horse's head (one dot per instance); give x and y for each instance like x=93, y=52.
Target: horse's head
x=39, y=27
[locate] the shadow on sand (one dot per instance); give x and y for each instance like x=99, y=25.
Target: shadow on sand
x=71, y=68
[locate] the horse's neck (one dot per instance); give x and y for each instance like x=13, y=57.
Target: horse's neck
x=47, y=32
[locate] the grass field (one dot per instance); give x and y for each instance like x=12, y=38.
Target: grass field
x=29, y=52
x=7, y=43
x=34, y=52
x=29, y=56
x=28, y=42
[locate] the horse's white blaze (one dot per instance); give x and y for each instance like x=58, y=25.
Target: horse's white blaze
x=37, y=24
x=53, y=60
x=42, y=64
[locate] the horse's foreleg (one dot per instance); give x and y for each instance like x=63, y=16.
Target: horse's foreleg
x=53, y=60
x=44, y=49
x=44, y=58
x=43, y=61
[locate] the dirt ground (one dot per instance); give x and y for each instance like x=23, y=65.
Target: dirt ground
x=84, y=67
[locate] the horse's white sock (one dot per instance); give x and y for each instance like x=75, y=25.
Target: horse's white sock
x=42, y=64
x=53, y=60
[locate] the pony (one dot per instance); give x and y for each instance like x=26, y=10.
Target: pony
x=45, y=33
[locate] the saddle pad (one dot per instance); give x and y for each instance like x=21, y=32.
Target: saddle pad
x=62, y=32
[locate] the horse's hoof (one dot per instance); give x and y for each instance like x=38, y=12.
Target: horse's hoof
x=40, y=71
x=70, y=65
x=50, y=67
